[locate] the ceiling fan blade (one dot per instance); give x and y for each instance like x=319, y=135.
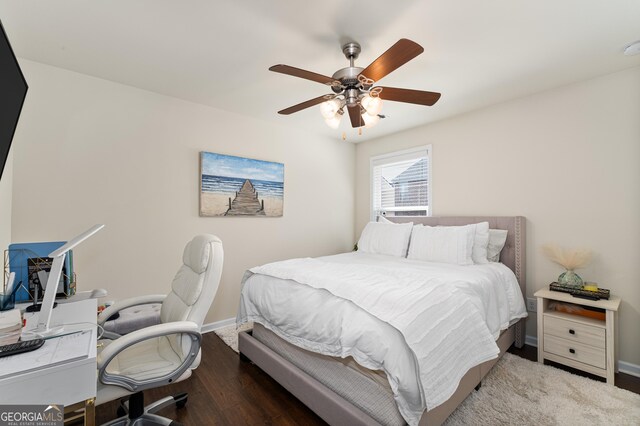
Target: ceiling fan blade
x=408, y=95
x=306, y=104
x=354, y=115
x=397, y=55
x=297, y=72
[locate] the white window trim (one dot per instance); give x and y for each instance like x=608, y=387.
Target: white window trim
x=396, y=154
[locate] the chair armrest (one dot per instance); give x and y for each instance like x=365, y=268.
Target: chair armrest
x=117, y=346
x=127, y=303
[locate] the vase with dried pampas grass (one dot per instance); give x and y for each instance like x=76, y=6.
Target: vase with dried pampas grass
x=569, y=259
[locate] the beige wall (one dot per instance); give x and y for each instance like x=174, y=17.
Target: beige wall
x=567, y=159
x=91, y=151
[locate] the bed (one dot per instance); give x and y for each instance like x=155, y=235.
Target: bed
x=373, y=390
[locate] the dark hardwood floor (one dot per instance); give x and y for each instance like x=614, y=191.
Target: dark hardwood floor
x=227, y=391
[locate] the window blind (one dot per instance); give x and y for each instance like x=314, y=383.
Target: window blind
x=400, y=184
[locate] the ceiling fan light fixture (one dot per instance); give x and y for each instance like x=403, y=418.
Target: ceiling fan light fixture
x=370, y=120
x=354, y=93
x=372, y=104
x=333, y=122
x=330, y=108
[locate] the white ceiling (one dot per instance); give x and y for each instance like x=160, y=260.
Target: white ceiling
x=217, y=53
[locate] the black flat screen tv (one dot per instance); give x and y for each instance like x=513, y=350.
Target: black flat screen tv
x=13, y=90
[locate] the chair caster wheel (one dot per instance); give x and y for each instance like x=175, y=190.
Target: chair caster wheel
x=181, y=400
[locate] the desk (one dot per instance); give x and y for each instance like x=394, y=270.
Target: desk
x=71, y=383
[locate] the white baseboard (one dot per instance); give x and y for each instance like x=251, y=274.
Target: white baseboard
x=623, y=366
x=531, y=341
x=629, y=368
x=206, y=328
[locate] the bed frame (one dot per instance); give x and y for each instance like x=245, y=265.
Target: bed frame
x=334, y=409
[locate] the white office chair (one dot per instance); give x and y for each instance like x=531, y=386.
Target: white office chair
x=164, y=353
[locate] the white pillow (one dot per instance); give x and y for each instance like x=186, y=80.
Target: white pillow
x=497, y=239
x=385, y=238
x=445, y=244
x=382, y=219
x=480, y=243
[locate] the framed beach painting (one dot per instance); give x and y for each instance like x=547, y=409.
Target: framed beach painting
x=238, y=186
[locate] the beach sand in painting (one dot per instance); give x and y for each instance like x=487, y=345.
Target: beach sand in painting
x=216, y=204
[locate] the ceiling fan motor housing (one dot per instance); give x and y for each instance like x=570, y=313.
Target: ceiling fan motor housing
x=348, y=77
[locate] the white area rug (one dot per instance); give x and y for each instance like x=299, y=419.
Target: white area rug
x=229, y=334
x=520, y=392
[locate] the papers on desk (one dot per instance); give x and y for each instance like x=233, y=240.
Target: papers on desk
x=10, y=326
x=55, y=351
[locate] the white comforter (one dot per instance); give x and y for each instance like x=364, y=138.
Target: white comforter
x=424, y=324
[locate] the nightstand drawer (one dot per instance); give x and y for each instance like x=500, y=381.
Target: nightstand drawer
x=576, y=351
x=574, y=331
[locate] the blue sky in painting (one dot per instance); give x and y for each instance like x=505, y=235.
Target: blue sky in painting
x=239, y=167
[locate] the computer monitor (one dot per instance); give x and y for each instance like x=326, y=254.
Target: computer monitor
x=13, y=90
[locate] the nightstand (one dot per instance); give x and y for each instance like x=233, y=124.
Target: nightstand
x=587, y=344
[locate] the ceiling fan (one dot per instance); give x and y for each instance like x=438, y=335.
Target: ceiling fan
x=354, y=88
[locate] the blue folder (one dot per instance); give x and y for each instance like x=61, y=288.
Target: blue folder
x=19, y=255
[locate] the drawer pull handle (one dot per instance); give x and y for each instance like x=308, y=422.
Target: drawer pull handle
x=573, y=351
x=572, y=331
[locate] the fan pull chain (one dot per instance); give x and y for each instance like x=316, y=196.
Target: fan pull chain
x=344, y=136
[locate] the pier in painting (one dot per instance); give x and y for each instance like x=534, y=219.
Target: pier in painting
x=246, y=202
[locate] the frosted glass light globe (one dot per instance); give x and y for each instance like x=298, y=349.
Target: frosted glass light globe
x=334, y=121
x=329, y=109
x=373, y=104
x=370, y=120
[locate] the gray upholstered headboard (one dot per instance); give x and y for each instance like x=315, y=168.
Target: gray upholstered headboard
x=513, y=253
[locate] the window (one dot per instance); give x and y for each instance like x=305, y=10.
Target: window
x=401, y=183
